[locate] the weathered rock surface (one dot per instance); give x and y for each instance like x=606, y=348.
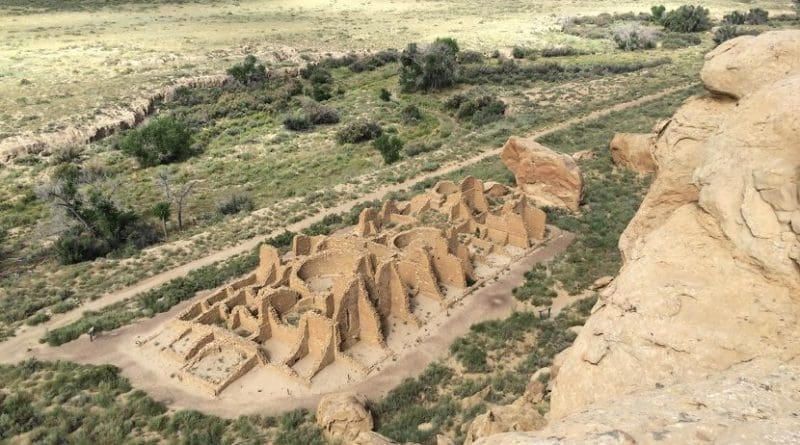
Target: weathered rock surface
x=343, y=416
x=549, y=178
x=743, y=65
x=747, y=404
x=634, y=151
x=519, y=416
x=696, y=339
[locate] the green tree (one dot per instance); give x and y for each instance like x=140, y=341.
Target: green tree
x=249, y=71
x=389, y=147
x=688, y=18
x=163, y=140
x=657, y=13
x=430, y=69
x=163, y=210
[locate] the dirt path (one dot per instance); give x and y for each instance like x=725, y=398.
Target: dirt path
x=495, y=301
x=27, y=338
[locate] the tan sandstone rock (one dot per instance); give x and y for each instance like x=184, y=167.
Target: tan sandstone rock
x=519, y=416
x=695, y=341
x=745, y=64
x=343, y=416
x=549, y=178
x=634, y=151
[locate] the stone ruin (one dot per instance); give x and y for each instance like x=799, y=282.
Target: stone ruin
x=340, y=298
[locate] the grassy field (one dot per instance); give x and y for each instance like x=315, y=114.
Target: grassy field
x=63, y=63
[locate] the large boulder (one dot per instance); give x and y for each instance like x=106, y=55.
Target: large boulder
x=634, y=151
x=745, y=64
x=519, y=416
x=549, y=178
x=343, y=416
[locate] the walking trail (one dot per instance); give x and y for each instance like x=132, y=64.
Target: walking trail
x=26, y=342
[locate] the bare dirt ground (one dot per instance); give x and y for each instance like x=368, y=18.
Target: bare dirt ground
x=26, y=341
x=493, y=301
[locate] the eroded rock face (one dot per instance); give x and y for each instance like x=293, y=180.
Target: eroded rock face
x=634, y=151
x=750, y=403
x=549, y=178
x=695, y=339
x=744, y=65
x=518, y=416
x=343, y=416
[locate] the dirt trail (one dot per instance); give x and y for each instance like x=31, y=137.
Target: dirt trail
x=27, y=338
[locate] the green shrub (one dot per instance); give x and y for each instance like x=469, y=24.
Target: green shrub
x=521, y=52
x=297, y=122
x=37, y=318
x=321, y=92
x=687, y=18
x=234, y=204
x=385, y=95
x=389, y=146
x=479, y=110
x=359, y=131
x=76, y=246
x=757, y=16
x=321, y=115
x=163, y=140
x=471, y=356
x=418, y=148
x=433, y=68
x=725, y=32
x=469, y=57
x=675, y=40
x=734, y=18
x=657, y=14
x=560, y=51
x=411, y=114
x=634, y=38
x=249, y=71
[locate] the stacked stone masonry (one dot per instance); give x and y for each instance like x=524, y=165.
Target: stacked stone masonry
x=329, y=295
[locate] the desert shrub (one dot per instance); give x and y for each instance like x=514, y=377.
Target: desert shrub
x=321, y=115
x=510, y=72
x=634, y=38
x=687, y=18
x=410, y=114
x=432, y=68
x=469, y=57
x=675, y=40
x=757, y=16
x=537, y=288
x=734, y=18
x=76, y=246
x=66, y=155
x=560, y=51
x=297, y=122
x=249, y=71
x=37, y=318
x=389, y=146
x=521, y=52
x=359, y=131
x=321, y=92
x=163, y=140
x=385, y=95
x=471, y=356
x=234, y=204
x=479, y=110
x=725, y=32
x=657, y=13
x=316, y=74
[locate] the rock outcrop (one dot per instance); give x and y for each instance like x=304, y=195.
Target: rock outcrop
x=549, y=178
x=633, y=151
x=743, y=65
x=695, y=339
x=343, y=416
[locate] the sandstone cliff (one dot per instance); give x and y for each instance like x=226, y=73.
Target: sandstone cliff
x=696, y=339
